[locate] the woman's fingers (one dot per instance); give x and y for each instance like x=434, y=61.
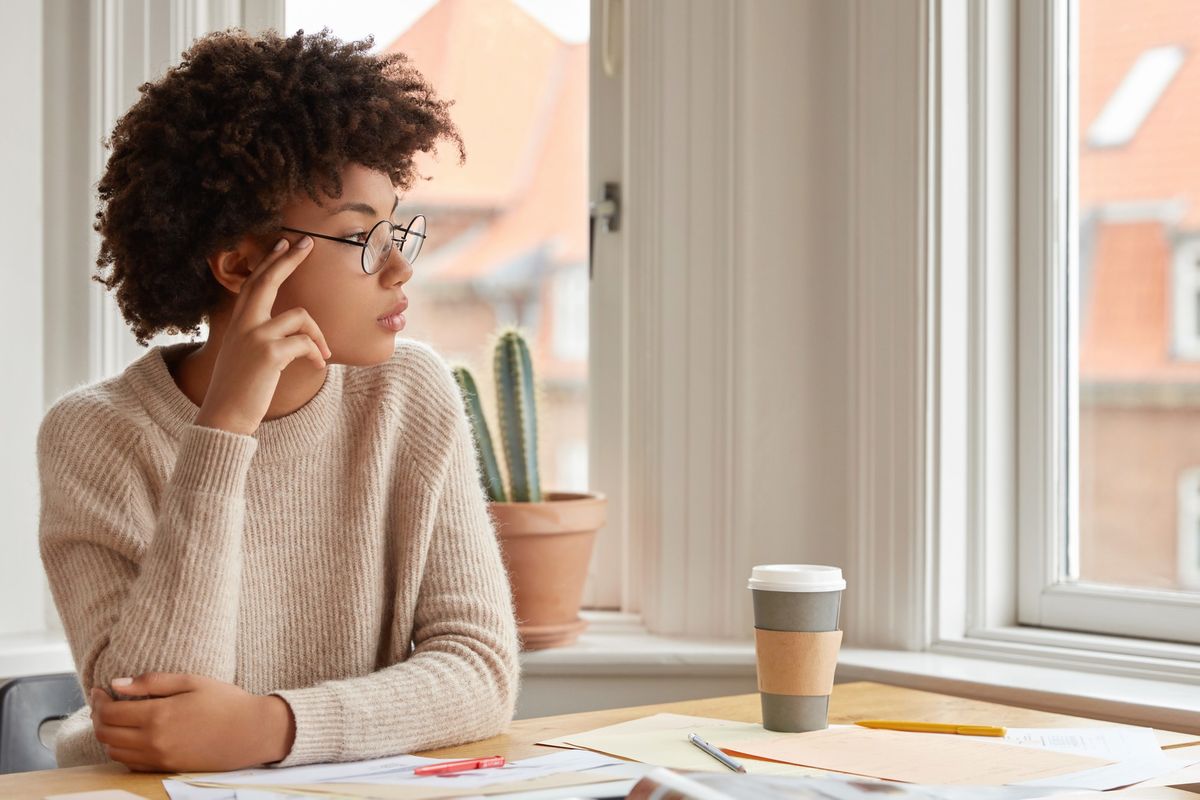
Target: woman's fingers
x=134, y=759
x=254, y=301
x=116, y=736
x=300, y=345
x=295, y=320
x=124, y=713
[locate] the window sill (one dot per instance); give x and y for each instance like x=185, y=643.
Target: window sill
x=615, y=645
x=36, y=653
x=999, y=671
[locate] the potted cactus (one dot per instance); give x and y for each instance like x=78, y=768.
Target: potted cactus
x=546, y=537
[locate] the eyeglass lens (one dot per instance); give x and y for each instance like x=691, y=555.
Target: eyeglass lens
x=384, y=236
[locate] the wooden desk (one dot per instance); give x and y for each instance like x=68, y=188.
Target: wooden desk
x=850, y=701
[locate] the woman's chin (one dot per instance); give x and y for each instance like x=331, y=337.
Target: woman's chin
x=378, y=353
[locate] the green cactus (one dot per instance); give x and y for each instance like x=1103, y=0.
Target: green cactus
x=489, y=468
x=517, y=413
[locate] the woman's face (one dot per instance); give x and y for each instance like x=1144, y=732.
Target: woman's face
x=330, y=284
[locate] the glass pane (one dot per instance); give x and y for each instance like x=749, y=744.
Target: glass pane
x=507, y=230
x=1138, y=295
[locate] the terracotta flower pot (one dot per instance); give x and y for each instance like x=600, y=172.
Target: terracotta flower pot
x=547, y=547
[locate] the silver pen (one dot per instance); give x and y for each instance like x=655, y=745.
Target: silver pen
x=715, y=753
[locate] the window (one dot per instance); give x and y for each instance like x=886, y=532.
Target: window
x=1189, y=529
x=1136, y=95
x=1185, y=299
x=1110, y=397
x=570, y=320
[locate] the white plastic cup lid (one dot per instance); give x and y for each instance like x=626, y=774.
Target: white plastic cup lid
x=796, y=578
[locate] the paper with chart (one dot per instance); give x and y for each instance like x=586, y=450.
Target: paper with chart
x=1113, y=743
x=1135, y=750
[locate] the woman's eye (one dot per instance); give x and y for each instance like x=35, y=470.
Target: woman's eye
x=360, y=236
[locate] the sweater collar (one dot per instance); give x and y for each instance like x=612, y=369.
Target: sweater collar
x=290, y=434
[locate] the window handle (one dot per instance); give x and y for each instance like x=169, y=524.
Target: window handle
x=608, y=211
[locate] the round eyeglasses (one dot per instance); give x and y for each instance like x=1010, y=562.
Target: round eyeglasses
x=381, y=240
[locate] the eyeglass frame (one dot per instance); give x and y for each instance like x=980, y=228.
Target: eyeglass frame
x=363, y=244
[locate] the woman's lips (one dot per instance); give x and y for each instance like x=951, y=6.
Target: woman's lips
x=394, y=319
x=394, y=323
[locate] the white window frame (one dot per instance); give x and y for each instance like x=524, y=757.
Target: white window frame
x=1048, y=493
x=980, y=455
x=663, y=336
x=568, y=338
x=1189, y=529
x=1185, y=291
x=132, y=43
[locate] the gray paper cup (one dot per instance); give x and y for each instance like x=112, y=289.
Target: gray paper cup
x=795, y=597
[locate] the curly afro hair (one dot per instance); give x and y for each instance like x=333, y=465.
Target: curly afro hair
x=214, y=149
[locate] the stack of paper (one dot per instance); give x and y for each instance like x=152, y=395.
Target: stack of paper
x=1060, y=758
x=1032, y=761
x=666, y=785
x=392, y=779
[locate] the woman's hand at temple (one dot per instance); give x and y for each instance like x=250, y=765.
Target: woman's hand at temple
x=175, y=722
x=258, y=347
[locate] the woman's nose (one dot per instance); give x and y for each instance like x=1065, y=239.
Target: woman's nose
x=399, y=270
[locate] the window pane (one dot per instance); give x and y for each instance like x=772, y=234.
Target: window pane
x=508, y=237
x=1138, y=294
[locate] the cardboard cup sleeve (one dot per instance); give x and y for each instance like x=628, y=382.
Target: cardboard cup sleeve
x=796, y=662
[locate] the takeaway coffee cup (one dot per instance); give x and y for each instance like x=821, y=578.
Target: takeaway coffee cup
x=796, y=639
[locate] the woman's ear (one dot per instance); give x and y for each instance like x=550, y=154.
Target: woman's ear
x=232, y=267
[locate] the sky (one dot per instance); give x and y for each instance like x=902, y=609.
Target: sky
x=387, y=19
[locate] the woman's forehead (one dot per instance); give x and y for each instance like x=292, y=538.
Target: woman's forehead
x=364, y=191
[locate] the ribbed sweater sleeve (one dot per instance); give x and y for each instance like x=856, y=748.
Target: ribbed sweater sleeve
x=137, y=597
x=460, y=681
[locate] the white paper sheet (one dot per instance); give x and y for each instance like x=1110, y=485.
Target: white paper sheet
x=1135, y=749
x=392, y=771
x=314, y=773
x=526, y=769
x=179, y=790
x=1112, y=743
x=1125, y=773
x=769, y=787
x=262, y=794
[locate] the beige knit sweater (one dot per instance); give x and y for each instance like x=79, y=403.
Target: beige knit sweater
x=342, y=557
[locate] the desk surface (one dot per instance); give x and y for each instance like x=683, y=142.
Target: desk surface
x=850, y=701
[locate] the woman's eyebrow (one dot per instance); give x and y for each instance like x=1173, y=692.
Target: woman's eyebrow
x=363, y=208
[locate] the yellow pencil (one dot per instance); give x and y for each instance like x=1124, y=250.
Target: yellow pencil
x=932, y=727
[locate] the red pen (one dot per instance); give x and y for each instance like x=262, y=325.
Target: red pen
x=458, y=766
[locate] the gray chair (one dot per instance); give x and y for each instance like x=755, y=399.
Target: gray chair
x=26, y=703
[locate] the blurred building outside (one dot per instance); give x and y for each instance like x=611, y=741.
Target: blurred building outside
x=1139, y=293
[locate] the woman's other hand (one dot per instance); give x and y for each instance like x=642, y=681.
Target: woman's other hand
x=176, y=722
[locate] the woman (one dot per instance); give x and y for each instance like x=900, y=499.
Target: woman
x=275, y=541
